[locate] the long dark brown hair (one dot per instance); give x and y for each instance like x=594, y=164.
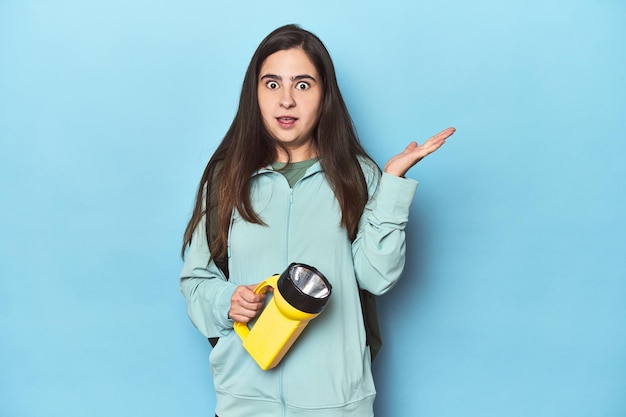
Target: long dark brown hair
x=247, y=147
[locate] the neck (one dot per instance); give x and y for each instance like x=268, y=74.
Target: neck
x=299, y=154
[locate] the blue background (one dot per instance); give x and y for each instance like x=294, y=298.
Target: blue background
x=513, y=301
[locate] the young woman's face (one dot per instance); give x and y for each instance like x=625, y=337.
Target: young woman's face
x=290, y=97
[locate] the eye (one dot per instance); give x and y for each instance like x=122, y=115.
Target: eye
x=302, y=86
x=272, y=85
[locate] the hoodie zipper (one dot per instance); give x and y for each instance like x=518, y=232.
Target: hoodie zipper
x=288, y=225
x=287, y=230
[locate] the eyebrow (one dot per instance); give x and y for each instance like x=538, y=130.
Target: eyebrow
x=293, y=78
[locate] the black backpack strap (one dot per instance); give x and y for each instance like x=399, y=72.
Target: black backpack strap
x=373, y=336
x=221, y=263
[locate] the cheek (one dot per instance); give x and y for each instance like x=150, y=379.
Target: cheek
x=315, y=111
x=263, y=107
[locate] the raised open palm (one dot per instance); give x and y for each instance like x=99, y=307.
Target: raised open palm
x=412, y=154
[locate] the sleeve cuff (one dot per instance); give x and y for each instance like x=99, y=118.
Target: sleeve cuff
x=222, y=307
x=395, y=195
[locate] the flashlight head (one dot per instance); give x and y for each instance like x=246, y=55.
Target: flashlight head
x=304, y=287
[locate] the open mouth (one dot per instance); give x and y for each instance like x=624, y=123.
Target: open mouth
x=286, y=122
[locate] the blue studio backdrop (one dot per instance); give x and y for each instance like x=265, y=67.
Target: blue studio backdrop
x=512, y=303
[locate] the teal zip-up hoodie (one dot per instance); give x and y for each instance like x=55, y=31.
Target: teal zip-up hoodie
x=327, y=371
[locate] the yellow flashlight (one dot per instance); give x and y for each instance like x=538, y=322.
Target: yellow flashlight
x=300, y=294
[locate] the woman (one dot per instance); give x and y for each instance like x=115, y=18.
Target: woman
x=290, y=182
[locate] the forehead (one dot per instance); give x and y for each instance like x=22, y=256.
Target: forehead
x=289, y=62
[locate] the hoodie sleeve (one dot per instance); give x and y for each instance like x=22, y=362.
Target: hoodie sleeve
x=380, y=246
x=205, y=288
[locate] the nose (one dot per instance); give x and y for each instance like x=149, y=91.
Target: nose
x=287, y=101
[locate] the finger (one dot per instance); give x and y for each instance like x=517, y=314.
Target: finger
x=253, y=287
x=444, y=134
x=244, y=313
x=410, y=147
x=252, y=306
x=240, y=308
x=243, y=317
x=247, y=293
x=247, y=305
x=435, y=142
x=440, y=137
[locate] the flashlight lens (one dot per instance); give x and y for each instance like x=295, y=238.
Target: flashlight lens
x=309, y=282
x=304, y=288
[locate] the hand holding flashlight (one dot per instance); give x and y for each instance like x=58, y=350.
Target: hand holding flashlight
x=245, y=305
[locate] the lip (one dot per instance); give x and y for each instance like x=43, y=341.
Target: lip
x=286, y=122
